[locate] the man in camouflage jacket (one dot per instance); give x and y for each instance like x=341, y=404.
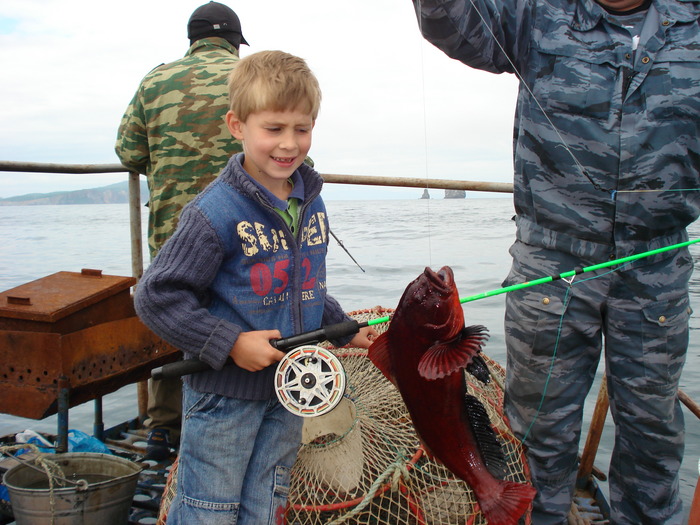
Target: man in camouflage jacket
x=607, y=161
x=174, y=132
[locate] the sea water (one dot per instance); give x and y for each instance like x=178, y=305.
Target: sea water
x=392, y=242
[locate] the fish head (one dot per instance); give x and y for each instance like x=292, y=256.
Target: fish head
x=431, y=303
x=426, y=338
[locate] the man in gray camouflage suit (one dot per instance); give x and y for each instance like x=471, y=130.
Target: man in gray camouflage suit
x=606, y=168
x=173, y=131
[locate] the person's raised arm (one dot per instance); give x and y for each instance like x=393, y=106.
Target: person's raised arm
x=482, y=34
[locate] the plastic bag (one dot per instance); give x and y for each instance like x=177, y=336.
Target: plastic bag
x=81, y=442
x=78, y=441
x=31, y=437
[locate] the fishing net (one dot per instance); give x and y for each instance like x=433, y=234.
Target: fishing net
x=362, y=462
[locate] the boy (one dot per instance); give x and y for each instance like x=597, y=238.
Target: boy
x=246, y=265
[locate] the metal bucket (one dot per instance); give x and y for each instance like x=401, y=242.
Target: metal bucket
x=106, y=499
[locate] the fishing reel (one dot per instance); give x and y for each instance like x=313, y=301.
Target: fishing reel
x=310, y=381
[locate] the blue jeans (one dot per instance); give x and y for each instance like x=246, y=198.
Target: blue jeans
x=235, y=458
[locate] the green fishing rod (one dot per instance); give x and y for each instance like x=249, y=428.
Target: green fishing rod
x=190, y=366
x=565, y=275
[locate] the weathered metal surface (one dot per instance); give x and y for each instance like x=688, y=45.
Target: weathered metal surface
x=78, y=330
x=66, y=301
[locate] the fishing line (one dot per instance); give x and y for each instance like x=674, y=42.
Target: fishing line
x=567, y=299
x=656, y=191
x=652, y=191
x=564, y=144
x=425, y=132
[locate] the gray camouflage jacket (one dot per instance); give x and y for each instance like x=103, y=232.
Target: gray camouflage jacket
x=631, y=118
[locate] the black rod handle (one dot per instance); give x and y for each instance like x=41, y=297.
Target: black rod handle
x=194, y=365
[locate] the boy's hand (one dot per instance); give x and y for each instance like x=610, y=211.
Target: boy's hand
x=364, y=337
x=253, y=351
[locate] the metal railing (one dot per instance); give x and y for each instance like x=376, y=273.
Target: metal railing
x=135, y=190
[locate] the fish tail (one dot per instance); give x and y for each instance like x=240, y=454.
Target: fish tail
x=508, y=504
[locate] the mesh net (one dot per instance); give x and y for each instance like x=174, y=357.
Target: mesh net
x=362, y=463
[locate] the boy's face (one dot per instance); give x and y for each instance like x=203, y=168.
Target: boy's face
x=275, y=143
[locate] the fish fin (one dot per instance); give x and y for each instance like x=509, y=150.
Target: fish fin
x=506, y=504
x=445, y=358
x=486, y=440
x=479, y=369
x=379, y=354
x=476, y=335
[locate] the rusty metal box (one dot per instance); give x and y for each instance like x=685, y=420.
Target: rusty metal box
x=65, y=302
x=76, y=330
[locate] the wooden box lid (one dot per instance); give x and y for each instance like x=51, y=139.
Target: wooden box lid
x=59, y=295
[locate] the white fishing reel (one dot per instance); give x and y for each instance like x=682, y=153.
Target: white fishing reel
x=310, y=381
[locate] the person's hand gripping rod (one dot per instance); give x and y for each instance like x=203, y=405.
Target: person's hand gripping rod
x=333, y=331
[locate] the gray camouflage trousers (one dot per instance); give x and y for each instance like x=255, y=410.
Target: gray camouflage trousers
x=554, y=337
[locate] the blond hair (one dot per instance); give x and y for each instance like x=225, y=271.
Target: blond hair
x=273, y=81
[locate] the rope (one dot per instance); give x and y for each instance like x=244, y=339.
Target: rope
x=52, y=469
x=397, y=470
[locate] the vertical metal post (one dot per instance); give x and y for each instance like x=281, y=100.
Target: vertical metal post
x=98, y=426
x=135, y=222
x=137, y=265
x=63, y=406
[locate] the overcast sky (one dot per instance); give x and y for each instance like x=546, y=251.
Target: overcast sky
x=393, y=105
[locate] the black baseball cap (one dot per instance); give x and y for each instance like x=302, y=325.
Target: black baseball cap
x=215, y=19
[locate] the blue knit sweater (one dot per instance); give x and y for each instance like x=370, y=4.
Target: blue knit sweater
x=233, y=265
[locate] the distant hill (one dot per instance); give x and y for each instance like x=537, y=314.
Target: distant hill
x=113, y=194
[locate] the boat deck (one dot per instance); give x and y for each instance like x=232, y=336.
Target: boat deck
x=128, y=441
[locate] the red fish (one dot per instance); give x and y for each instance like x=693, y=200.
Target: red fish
x=424, y=353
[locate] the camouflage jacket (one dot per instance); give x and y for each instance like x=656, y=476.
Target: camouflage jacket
x=631, y=118
x=174, y=131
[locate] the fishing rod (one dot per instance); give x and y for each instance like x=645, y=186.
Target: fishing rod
x=340, y=243
x=577, y=271
x=565, y=275
x=191, y=366
x=333, y=331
